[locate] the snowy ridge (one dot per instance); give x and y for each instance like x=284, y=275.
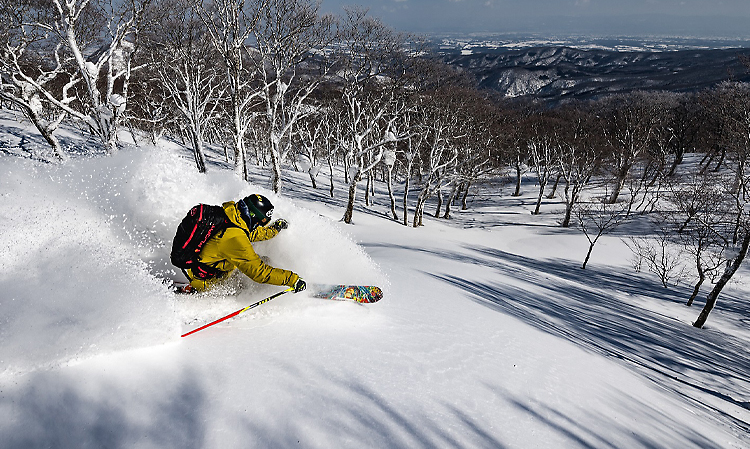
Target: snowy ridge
x=559, y=72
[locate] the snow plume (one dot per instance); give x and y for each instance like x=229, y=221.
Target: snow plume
x=70, y=287
x=84, y=253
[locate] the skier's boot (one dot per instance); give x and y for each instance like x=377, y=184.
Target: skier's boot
x=184, y=289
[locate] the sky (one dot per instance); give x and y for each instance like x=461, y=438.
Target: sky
x=701, y=18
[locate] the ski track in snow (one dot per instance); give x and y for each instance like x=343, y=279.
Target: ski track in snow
x=489, y=334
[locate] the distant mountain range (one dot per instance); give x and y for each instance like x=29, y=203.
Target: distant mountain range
x=557, y=72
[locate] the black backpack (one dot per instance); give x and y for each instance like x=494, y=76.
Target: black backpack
x=199, y=225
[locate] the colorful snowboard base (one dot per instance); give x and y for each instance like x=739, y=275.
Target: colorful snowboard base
x=364, y=294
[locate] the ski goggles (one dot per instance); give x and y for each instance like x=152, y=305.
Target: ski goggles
x=253, y=216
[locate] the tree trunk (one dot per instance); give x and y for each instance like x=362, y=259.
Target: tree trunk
x=406, y=197
x=48, y=135
x=312, y=180
x=721, y=159
x=728, y=273
x=588, y=255
x=200, y=159
x=367, y=189
x=464, y=204
x=352, y=196
x=554, y=187
x=518, y=180
x=619, y=184
x=439, y=203
x=419, y=208
x=542, y=186
x=678, y=157
x=701, y=278
x=449, y=203
x=330, y=167
x=571, y=198
x=275, y=171
x=389, y=175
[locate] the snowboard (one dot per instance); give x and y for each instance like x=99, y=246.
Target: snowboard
x=364, y=294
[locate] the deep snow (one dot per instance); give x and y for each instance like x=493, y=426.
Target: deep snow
x=489, y=335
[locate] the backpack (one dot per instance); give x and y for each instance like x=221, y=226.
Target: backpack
x=199, y=225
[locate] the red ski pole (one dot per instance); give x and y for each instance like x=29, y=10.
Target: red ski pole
x=234, y=314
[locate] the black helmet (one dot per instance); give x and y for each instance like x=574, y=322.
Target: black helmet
x=255, y=210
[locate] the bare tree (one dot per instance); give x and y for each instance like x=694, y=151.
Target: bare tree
x=440, y=126
x=186, y=66
x=289, y=34
x=409, y=151
x=683, y=126
x=693, y=218
x=49, y=68
x=543, y=146
x=105, y=75
x=630, y=123
x=371, y=75
x=514, y=130
x=230, y=24
x=661, y=255
x=313, y=137
x=478, y=146
x=32, y=62
x=389, y=161
x=598, y=218
x=735, y=199
x=150, y=108
x=578, y=157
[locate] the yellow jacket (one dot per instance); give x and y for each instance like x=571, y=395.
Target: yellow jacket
x=232, y=249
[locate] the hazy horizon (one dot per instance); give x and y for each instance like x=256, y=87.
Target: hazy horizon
x=727, y=19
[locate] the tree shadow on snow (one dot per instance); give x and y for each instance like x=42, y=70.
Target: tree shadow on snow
x=568, y=302
x=365, y=416
x=55, y=413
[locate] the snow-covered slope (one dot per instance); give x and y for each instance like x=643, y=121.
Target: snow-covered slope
x=489, y=334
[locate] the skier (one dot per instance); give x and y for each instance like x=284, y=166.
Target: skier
x=231, y=248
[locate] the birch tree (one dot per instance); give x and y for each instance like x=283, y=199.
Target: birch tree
x=186, y=67
x=578, y=158
x=409, y=151
x=91, y=86
x=630, y=121
x=105, y=75
x=598, y=218
x=369, y=74
x=289, y=34
x=478, y=146
x=440, y=126
x=32, y=62
x=230, y=23
x=735, y=199
x=313, y=137
x=543, y=146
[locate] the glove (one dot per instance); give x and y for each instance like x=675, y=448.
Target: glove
x=299, y=285
x=279, y=224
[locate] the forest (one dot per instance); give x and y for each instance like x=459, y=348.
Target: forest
x=277, y=84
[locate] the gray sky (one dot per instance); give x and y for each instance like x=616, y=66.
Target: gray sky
x=704, y=18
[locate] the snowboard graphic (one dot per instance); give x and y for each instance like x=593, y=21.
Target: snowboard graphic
x=365, y=294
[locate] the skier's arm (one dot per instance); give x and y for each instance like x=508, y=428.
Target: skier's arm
x=263, y=233
x=238, y=251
